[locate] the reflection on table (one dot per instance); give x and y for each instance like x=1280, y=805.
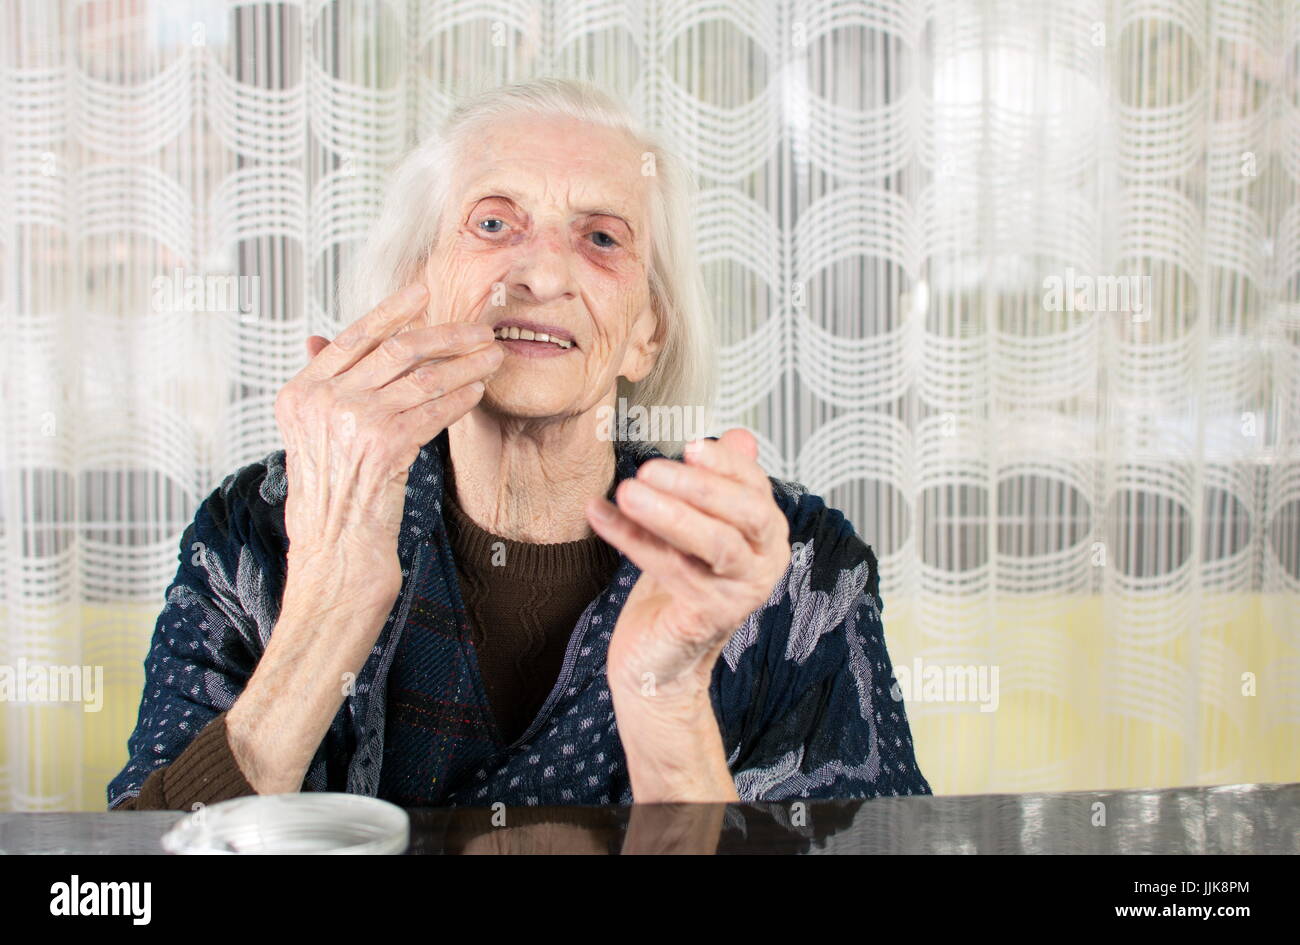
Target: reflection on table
x=1244, y=818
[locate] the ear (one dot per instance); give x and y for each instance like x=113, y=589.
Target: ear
x=644, y=344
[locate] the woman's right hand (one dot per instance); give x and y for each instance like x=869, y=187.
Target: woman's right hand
x=353, y=421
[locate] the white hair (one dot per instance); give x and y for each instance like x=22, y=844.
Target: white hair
x=404, y=234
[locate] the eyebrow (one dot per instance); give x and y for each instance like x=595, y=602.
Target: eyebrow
x=483, y=193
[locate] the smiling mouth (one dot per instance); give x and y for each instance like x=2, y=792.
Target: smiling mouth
x=515, y=333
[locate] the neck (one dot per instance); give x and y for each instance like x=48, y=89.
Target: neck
x=526, y=480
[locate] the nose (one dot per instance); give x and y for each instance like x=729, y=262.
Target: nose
x=543, y=270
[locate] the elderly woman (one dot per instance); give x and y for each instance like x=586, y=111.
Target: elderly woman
x=451, y=587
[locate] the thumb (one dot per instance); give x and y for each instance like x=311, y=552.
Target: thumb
x=742, y=441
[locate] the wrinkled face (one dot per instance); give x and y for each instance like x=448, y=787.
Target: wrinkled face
x=547, y=232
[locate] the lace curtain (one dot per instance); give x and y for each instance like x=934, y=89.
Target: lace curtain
x=1015, y=285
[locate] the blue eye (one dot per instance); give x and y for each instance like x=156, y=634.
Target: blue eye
x=493, y=220
x=612, y=242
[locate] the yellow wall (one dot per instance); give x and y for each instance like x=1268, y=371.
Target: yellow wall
x=1079, y=707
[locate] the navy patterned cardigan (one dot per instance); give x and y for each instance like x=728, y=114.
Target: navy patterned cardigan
x=802, y=692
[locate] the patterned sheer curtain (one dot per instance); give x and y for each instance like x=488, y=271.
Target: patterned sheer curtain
x=1015, y=285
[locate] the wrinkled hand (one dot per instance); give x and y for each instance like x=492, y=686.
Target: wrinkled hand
x=711, y=543
x=353, y=422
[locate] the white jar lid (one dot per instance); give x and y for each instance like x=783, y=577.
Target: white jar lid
x=311, y=822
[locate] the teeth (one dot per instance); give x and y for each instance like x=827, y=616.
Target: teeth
x=525, y=334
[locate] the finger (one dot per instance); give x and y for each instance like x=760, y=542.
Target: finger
x=315, y=345
x=359, y=338
x=716, y=543
x=433, y=380
x=727, y=458
x=646, y=550
x=742, y=441
x=406, y=351
x=713, y=494
x=427, y=420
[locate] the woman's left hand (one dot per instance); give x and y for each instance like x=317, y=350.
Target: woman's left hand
x=711, y=543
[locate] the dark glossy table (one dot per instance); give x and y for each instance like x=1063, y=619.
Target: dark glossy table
x=1243, y=818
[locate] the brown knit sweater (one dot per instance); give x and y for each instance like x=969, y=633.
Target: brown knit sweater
x=523, y=601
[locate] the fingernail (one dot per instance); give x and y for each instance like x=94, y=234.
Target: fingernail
x=656, y=474
x=638, y=494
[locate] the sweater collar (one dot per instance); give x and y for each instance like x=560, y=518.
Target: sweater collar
x=493, y=557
